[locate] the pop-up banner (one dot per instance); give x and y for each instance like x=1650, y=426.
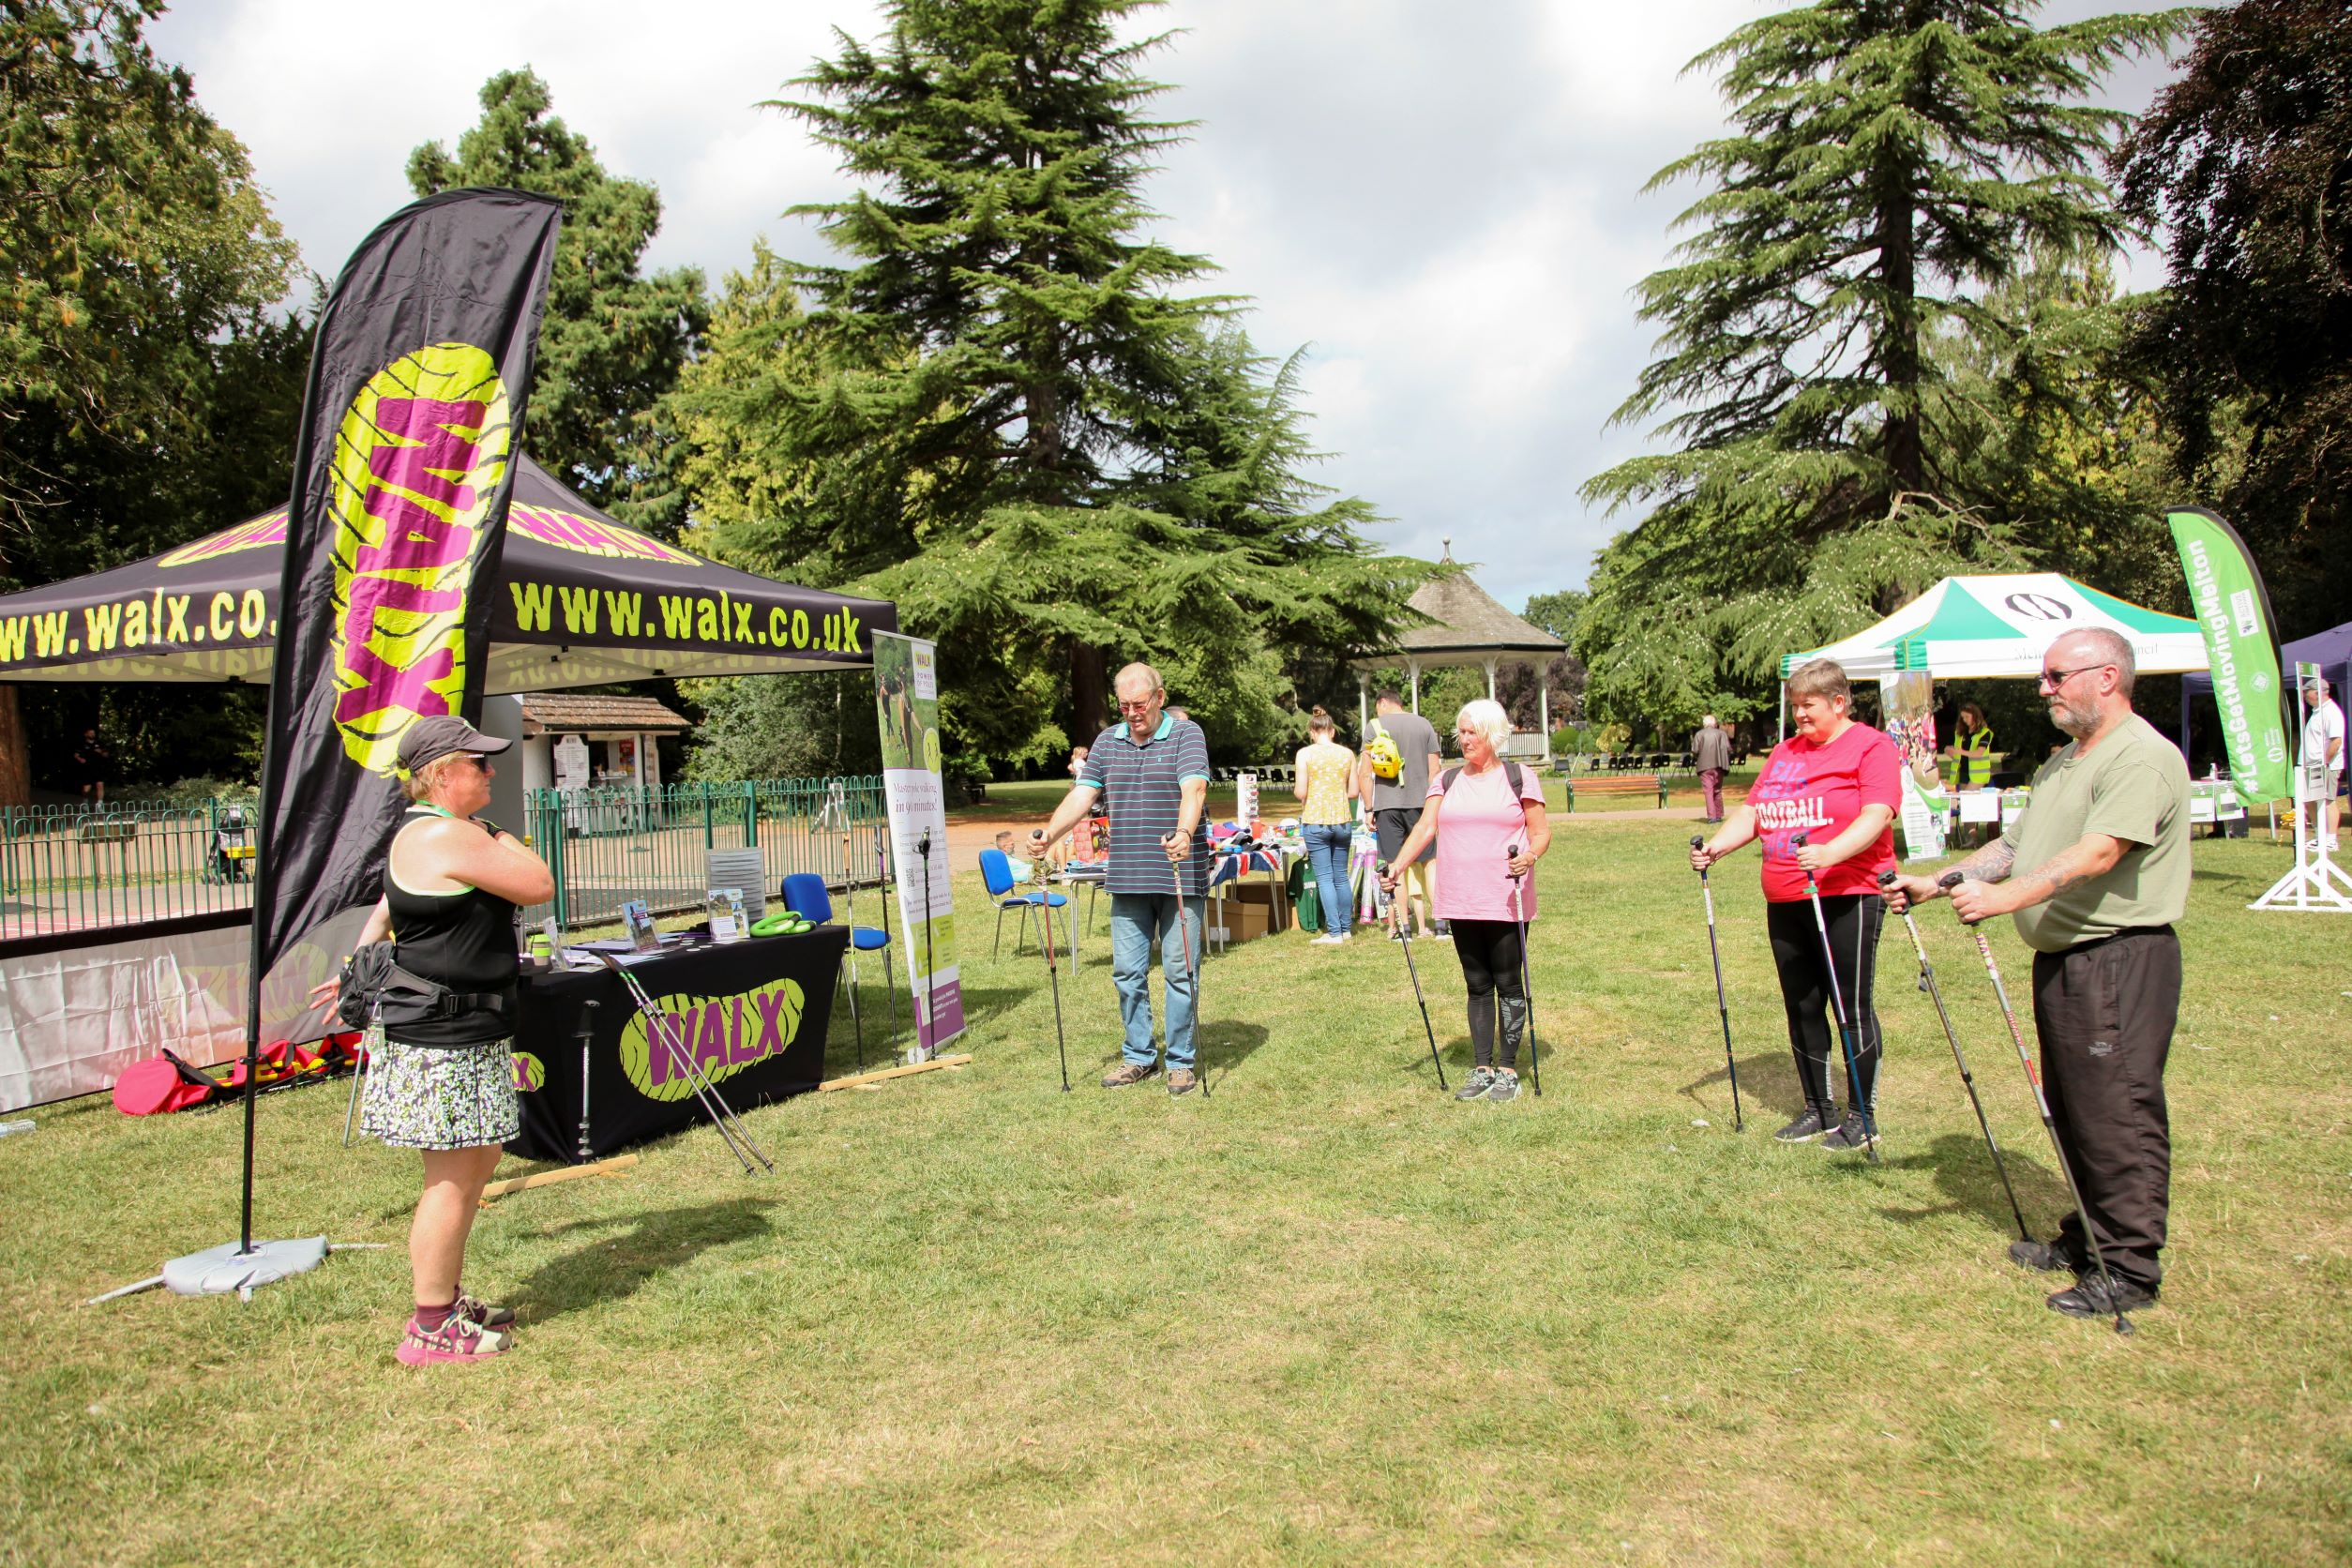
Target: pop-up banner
x=1907, y=702
x=2233, y=611
x=906, y=701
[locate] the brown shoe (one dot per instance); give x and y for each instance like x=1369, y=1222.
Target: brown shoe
x=1129, y=1072
x=1180, y=1080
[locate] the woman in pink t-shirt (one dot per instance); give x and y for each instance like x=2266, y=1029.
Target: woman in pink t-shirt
x=1838, y=783
x=1485, y=891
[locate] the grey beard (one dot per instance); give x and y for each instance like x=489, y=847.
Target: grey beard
x=2074, y=720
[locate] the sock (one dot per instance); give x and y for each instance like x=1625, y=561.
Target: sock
x=430, y=1318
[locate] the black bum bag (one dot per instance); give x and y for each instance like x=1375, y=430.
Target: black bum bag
x=375, y=988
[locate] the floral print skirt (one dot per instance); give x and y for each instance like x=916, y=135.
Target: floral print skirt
x=442, y=1096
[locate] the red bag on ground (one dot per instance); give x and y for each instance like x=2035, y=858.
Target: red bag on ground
x=161, y=1083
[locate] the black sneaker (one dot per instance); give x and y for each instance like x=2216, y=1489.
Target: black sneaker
x=1441, y=929
x=1481, y=1079
x=2090, y=1298
x=2044, y=1257
x=1505, y=1085
x=1805, y=1129
x=1851, y=1133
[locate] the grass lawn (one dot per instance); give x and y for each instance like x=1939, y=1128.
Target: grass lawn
x=1326, y=1317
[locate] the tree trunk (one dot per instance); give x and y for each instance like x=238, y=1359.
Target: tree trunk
x=16, y=768
x=1089, y=692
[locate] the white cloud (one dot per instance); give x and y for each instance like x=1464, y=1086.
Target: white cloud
x=1443, y=202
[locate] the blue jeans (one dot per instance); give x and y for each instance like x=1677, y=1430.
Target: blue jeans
x=1136, y=921
x=1327, y=850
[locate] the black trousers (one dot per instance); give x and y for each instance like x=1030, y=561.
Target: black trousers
x=1855, y=920
x=2105, y=1013
x=1489, y=951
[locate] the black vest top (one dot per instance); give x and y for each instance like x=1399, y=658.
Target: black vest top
x=466, y=942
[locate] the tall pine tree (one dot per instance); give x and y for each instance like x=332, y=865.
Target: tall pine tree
x=2246, y=162
x=1891, y=161
x=1005, y=412
x=613, y=337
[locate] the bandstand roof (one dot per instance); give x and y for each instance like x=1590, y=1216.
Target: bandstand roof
x=1466, y=627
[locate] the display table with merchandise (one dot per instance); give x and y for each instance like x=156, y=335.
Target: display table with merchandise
x=753, y=1013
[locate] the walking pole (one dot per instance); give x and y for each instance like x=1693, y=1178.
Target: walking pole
x=890, y=981
x=682, y=1060
x=1722, y=1008
x=587, y=1040
x=924, y=1023
x=1527, y=986
x=368, y=1039
x=1053, y=975
x=1192, y=976
x=2042, y=1103
x=1927, y=984
x=1845, y=1020
x=1389, y=912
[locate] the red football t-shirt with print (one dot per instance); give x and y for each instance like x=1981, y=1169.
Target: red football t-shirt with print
x=1818, y=790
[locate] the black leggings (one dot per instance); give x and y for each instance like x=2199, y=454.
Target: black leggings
x=1854, y=920
x=1489, y=951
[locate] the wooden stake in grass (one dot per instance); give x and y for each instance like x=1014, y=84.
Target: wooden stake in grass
x=612, y=1167
x=859, y=1079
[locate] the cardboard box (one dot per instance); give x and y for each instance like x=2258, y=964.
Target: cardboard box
x=1248, y=914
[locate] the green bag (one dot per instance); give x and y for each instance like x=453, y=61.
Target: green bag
x=1302, y=896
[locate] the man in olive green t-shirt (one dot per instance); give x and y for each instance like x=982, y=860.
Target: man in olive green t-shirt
x=2095, y=873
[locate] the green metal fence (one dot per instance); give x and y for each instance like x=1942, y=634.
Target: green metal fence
x=609, y=844
x=73, y=867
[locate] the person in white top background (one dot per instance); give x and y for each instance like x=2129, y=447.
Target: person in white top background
x=2323, y=756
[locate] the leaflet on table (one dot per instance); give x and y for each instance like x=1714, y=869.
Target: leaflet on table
x=906, y=705
x=727, y=917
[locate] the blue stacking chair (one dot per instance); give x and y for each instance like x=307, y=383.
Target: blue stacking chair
x=805, y=896
x=996, y=873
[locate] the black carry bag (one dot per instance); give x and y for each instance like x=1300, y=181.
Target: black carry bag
x=376, y=989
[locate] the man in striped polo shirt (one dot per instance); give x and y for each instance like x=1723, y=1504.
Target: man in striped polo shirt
x=1152, y=774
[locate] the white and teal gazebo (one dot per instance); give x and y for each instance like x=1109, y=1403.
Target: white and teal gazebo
x=1976, y=628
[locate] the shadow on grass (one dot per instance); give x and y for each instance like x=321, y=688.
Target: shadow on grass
x=612, y=1267
x=1768, y=1081
x=1965, y=1174
x=1223, y=1046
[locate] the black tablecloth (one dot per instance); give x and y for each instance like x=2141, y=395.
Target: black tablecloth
x=754, y=1013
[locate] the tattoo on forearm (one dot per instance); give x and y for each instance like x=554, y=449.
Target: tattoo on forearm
x=1990, y=864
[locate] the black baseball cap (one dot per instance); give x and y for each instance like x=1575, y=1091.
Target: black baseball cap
x=429, y=740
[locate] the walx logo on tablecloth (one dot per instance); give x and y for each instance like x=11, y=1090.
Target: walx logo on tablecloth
x=724, y=1035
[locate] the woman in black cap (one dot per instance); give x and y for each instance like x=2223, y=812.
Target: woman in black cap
x=446, y=1086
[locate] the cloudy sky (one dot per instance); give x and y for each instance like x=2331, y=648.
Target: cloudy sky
x=1440, y=203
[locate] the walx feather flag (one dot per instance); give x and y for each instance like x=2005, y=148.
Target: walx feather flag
x=2233, y=611
x=404, y=466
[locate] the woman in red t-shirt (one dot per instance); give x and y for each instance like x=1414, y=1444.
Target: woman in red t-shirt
x=1838, y=783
